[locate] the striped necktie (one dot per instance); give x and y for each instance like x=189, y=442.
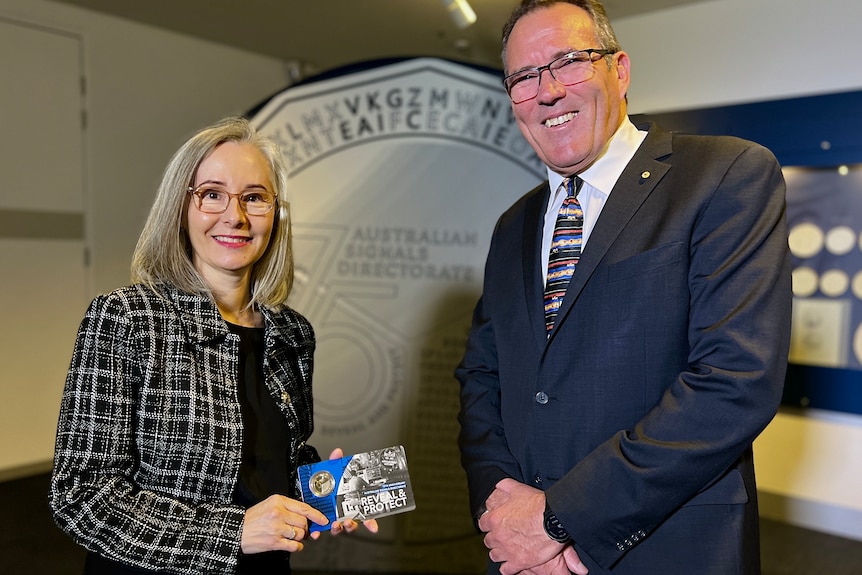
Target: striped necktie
x=565, y=250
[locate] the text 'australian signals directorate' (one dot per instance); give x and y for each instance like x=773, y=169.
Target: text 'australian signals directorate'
x=398, y=253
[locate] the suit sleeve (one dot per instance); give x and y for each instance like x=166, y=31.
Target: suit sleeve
x=740, y=301
x=485, y=454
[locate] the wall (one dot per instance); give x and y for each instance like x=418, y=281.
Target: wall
x=722, y=52
x=146, y=91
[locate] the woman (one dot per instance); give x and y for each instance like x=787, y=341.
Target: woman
x=188, y=401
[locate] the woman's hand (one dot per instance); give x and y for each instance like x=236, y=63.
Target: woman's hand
x=277, y=523
x=349, y=525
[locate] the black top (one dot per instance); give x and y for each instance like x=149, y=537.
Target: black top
x=264, y=469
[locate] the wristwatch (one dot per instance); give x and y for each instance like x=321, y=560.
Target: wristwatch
x=554, y=528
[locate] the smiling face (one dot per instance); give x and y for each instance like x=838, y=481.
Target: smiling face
x=228, y=244
x=568, y=126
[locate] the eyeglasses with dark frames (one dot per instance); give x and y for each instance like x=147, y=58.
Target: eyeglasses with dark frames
x=569, y=69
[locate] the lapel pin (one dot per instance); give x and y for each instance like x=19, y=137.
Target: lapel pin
x=645, y=175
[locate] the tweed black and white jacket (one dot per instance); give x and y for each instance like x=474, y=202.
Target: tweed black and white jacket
x=150, y=432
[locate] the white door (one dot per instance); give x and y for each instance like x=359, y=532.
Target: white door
x=43, y=274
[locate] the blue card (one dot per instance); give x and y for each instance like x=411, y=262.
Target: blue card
x=362, y=486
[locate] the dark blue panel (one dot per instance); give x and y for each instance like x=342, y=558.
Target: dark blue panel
x=811, y=131
x=824, y=388
x=815, y=131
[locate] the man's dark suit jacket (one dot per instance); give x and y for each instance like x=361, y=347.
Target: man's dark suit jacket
x=668, y=358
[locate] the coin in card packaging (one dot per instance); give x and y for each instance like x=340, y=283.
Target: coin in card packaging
x=359, y=487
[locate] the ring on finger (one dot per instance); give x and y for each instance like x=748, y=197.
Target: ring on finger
x=292, y=532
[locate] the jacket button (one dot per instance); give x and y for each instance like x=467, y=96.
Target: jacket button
x=542, y=398
x=537, y=480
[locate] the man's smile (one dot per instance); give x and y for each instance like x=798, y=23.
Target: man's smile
x=559, y=120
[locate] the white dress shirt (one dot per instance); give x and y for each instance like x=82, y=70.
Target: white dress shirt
x=599, y=179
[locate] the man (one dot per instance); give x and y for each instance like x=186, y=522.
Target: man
x=615, y=436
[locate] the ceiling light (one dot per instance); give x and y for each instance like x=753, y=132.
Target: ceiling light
x=461, y=12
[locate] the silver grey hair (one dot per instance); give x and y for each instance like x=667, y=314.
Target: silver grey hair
x=163, y=253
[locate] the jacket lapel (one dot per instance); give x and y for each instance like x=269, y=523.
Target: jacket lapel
x=198, y=314
x=535, y=209
x=640, y=177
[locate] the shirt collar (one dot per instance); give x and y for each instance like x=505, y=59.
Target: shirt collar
x=603, y=174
